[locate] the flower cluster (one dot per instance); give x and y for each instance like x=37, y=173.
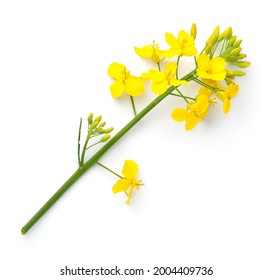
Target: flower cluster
x=214, y=72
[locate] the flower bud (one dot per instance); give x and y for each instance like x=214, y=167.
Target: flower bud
x=236, y=51
x=193, y=30
x=102, y=124
x=90, y=118
x=243, y=64
x=94, y=125
x=105, y=138
x=229, y=74
x=239, y=73
x=108, y=130
x=208, y=49
x=99, y=129
x=214, y=37
x=98, y=119
x=225, y=34
x=237, y=43
x=241, y=56
x=228, y=82
x=232, y=40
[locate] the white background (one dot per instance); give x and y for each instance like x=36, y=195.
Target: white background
x=207, y=194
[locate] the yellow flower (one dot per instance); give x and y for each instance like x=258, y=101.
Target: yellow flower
x=124, y=82
x=227, y=95
x=129, y=181
x=151, y=51
x=212, y=69
x=161, y=80
x=195, y=112
x=183, y=45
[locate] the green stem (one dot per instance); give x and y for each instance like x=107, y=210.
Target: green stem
x=83, y=168
x=84, y=149
x=159, y=66
x=182, y=95
x=93, y=145
x=177, y=66
x=178, y=95
x=204, y=84
x=78, y=142
x=133, y=106
x=105, y=167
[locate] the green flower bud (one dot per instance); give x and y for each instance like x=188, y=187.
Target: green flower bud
x=193, y=30
x=229, y=74
x=105, y=138
x=237, y=43
x=208, y=49
x=94, y=125
x=102, y=124
x=108, y=130
x=239, y=73
x=98, y=119
x=232, y=40
x=99, y=129
x=236, y=51
x=225, y=34
x=214, y=37
x=90, y=118
x=241, y=56
x=243, y=64
x=228, y=82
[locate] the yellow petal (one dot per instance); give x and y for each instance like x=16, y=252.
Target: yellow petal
x=189, y=51
x=170, y=68
x=218, y=64
x=171, y=40
x=116, y=70
x=183, y=36
x=203, y=61
x=180, y=114
x=117, y=88
x=226, y=105
x=191, y=122
x=144, y=52
x=121, y=186
x=159, y=87
x=130, y=169
x=134, y=86
x=174, y=82
x=155, y=75
x=232, y=90
x=218, y=76
x=171, y=52
x=203, y=74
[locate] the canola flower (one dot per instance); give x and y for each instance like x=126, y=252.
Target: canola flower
x=215, y=71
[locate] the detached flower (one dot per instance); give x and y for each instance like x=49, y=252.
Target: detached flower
x=124, y=82
x=151, y=51
x=227, y=95
x=211, y=69
x=161, y=80
x=183, y=45
x=195, y=112
x=129, y=182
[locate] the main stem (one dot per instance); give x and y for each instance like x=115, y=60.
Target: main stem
x=83, y=168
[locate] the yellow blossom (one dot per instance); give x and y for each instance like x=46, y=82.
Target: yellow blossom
x=161, y=80
x=227, y=95
x=183, y=45
x=151, y=51
x=212, y=69
x=129, y=181
x=124, y=82
x=196, y=111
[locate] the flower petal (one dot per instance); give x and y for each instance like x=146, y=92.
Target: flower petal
x=121, y=186
x=116, y=70
x=180, y=114
x=144, y=52
x=191, y=122
x=155, y=75
x=218, y=64
x=232, y=90
x=203, y=61
x=170, y=68
x=226, y=105
x=183, y=36
x=117, y=88
x=189, y=51
x=171, y=52
x=159, y=87
x=130, y=169
x=134, y=86
x=171, y=40
x=174, y=82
